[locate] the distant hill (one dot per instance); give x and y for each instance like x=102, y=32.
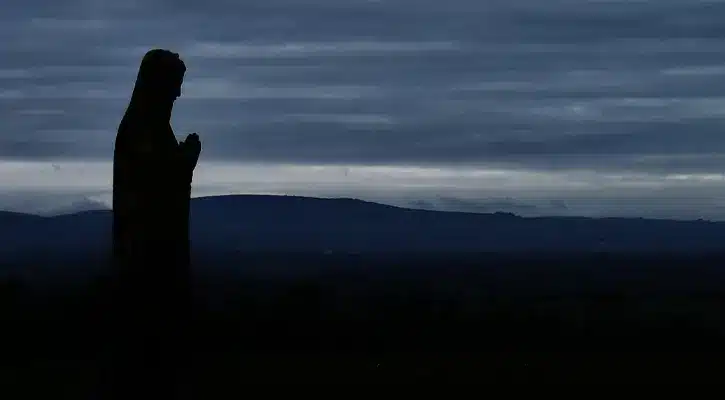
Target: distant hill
x=291, y=223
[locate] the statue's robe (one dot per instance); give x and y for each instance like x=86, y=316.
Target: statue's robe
x=151, y=255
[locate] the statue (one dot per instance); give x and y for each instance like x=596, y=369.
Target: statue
x=152, y=175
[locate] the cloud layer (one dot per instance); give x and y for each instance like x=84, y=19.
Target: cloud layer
x=51, y=188
x=602, y=88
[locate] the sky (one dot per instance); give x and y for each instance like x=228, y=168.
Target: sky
x=556, y=107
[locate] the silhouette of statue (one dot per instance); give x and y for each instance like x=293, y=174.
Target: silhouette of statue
x=152, y=176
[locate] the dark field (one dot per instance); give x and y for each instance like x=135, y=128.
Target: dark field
x=483, y=318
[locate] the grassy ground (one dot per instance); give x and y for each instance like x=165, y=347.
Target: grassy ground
x=317, y=319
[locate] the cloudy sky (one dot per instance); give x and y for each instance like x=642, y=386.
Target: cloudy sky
x=565, y=107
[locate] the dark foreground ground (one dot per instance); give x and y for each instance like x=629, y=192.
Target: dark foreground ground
x=295, y=318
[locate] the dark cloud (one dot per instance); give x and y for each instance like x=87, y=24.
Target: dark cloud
x=629, y=85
